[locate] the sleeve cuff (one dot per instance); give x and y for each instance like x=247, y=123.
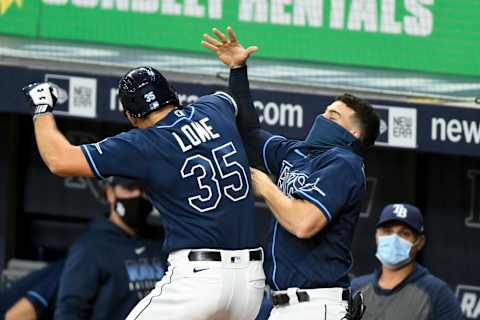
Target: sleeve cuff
x=35, y=298
x=39, y=303
x=315, y=202
x=264, y=151
x=90, y=161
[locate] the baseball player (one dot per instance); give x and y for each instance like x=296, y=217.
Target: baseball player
x=111, y=267
x=316, y=202
x=195, y=170
x=403, y=289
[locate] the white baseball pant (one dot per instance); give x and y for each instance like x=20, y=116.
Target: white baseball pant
x=230, y=288
x=322, y=304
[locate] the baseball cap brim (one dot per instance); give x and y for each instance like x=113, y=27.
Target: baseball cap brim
x=402, y=221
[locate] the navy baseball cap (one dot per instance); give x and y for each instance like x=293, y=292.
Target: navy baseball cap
x=402, y=212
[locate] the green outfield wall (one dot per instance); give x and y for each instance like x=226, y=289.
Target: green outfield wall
x=440, y=36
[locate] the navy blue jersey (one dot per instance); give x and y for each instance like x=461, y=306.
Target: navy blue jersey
x=107, y=272
x=194, y=168
x=420, y=296
x=331, y=179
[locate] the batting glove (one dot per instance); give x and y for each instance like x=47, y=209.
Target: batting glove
x=42, y=96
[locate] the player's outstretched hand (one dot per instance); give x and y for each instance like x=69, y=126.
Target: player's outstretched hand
x=228, y=50
x=42, y=97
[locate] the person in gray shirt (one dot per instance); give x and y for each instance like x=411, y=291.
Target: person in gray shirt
x=403, y=289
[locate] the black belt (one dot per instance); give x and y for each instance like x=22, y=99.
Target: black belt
x=280, y=299
x=195, y=255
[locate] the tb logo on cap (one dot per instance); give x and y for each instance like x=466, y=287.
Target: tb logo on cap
x=400, y=211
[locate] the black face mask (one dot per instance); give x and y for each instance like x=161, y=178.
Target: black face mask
x=133, y=211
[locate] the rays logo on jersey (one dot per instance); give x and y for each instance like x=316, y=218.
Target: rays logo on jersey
x=291, y=181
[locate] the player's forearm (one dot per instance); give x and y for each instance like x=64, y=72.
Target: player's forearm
x=22, y=310
x=297, y=216
x=281, y=207
x=51, y=143
x=239, y=86
x=247, y=119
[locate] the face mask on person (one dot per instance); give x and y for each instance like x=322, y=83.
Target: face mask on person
x=393, y=251
x=133, y=211
x=326, y=134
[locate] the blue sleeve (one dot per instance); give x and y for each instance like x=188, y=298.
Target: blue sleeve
x=43, y=294
x=330, y=188
x=445, y=305
x=221, y=102
x=78, y=285
x=273, y=150
x=248, y=123
x=116, y=156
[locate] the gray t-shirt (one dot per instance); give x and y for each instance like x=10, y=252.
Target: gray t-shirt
x=421, y=296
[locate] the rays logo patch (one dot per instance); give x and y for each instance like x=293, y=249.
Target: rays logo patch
x=291, y=181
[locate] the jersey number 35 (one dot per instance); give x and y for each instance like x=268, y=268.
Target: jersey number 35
x=232, y=182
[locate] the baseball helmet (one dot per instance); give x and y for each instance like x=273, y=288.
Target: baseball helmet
x=143, y=90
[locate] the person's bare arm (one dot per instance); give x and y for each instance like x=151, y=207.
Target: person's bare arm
x=22, y=310
x=59, y=155
x=299, y=217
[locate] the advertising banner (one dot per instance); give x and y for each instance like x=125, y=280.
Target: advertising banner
x=20, y=17
x=429, y=128
x=420, y=35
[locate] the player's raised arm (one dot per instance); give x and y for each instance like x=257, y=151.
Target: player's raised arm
x=235, y=56
x=59, y=155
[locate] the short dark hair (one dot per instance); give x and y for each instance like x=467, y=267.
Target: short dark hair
x=366, y=116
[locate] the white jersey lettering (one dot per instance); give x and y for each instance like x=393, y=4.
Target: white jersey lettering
x=194, y=134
